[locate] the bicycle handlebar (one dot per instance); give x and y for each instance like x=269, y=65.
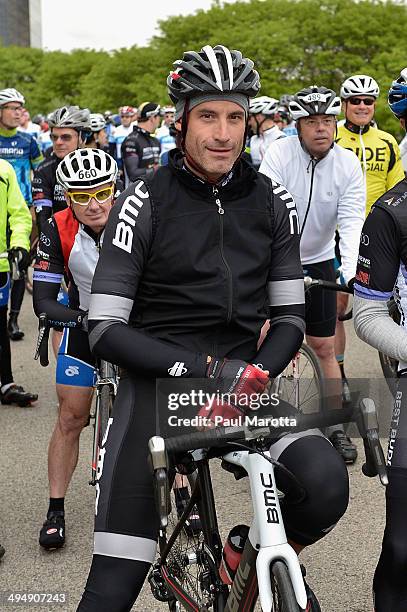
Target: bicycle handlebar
x=41, y=350
x=220, y=435
x=324, y=284
x=330, y=285
x=365, y=418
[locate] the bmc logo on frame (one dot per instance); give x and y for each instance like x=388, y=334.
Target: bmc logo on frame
x=178, y=369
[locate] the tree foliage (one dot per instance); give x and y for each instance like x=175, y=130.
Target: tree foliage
x=294, y=43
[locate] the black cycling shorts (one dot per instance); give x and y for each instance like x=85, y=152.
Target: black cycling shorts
x=320, y=304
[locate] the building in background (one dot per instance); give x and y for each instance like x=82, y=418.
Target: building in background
x=20, y=23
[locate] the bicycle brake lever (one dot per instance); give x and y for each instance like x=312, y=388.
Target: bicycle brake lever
x=369, y=430
x=156, y=446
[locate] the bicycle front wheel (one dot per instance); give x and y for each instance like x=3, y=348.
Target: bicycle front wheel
x=103, y=412
x=301, y=384
x=282, y=589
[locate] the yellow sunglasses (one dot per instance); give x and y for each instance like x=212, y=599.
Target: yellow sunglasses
x=83, y=199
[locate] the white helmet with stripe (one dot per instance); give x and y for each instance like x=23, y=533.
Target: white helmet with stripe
x=97, y=122
x=263, y=105
x=86, y=168
x=10, y=95
x=359, y=85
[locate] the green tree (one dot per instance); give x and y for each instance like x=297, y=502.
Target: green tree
x=294, y=43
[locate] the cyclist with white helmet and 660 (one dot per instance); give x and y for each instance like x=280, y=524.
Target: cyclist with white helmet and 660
x=71, y=242
x=326, y=183
x=382, y=273
x=265, y=130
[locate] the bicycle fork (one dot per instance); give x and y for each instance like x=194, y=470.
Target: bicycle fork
x=266, y=543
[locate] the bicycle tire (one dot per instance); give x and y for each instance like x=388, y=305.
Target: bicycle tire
x=103, y=411
x=284, y=599
x=106, y=399
x=311, y=390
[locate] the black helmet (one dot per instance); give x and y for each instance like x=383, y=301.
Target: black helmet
x=213, y=70
x=315, y=101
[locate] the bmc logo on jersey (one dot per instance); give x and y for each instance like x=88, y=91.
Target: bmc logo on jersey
x=128, y=214
x=178, y=369
x=72, y=371
x=290, y=205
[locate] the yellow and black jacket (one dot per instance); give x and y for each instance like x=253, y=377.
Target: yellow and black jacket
x=379, y=155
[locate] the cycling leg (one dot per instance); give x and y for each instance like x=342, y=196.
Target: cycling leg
x=389, y=584
x=126, y=524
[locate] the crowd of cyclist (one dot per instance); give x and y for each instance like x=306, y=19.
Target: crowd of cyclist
x=224, y=149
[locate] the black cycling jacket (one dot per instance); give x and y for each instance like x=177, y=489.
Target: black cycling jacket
x=140, y=152
x=188, y=270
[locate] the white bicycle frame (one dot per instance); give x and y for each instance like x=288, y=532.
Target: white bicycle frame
x=267, y=533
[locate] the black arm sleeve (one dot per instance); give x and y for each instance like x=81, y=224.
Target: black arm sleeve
x=286, y=286
x=48, y=273
x=126, y=245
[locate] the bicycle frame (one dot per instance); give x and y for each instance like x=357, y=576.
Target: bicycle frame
x=266, y=543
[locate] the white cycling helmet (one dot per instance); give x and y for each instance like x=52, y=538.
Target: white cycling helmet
x=359, y=85
x=86, y=168
x=167, y=109
x=70, y=117
x=263, y=105
x=97, y=122
x=10, y=95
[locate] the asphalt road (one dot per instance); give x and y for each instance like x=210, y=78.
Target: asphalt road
x=339, y=568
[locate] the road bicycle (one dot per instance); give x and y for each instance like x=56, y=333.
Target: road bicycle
x=105, y=390
x=186, y=573
x=388, y=364
x=302, y=383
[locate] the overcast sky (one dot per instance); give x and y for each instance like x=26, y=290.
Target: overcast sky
x=107, y=24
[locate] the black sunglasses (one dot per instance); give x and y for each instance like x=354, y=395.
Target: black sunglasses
x=366, y=101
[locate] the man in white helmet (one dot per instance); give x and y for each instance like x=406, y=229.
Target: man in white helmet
x=21, y=150
x=326, y=183
x=265, y=130
x=377, y=151
x=71, y=243
x=379, y=156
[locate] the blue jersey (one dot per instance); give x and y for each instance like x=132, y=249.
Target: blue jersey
x=21, y=150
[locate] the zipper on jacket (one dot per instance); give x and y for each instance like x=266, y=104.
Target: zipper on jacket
x=312, y=162
x=221, y=212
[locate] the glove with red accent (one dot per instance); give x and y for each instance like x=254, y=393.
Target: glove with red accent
x=237, y=377
x=214, y=414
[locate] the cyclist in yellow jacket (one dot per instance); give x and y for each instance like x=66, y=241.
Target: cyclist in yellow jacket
x=379, y=155
x=15, y=217
x=377, y=150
